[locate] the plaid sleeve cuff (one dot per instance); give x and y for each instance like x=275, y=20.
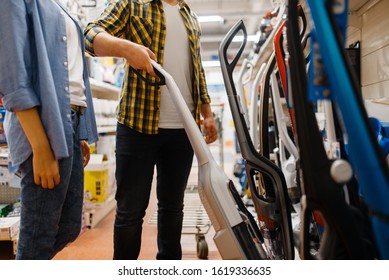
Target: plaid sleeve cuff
x=204, y=96
x=90, y=33
x=205, y=99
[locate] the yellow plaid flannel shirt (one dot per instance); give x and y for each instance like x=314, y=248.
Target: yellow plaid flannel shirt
x=143, y=22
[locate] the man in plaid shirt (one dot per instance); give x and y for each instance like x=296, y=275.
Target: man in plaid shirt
x=149, y=130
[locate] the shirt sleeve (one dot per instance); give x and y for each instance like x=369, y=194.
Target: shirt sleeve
x=204, y=96
x=113, y=20
x=15, y=64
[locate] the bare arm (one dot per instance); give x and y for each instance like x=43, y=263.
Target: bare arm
x=209, y=124
x=137, y=56
x=45, y=166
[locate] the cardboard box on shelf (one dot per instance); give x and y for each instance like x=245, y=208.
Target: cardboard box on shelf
x=9, y=227
x=96, y=181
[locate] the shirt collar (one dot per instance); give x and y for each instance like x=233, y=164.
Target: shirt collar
x=183, y=4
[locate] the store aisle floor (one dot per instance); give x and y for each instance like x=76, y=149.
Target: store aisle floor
x=97, y=243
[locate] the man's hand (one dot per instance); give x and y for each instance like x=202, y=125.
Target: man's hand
x=208, y=123
x=210, y=130
x=139, y=57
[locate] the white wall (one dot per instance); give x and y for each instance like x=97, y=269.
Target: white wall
x=370, y=25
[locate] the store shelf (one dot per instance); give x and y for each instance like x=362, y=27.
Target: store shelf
x=94, y=215
x=104, y=90
x=9, y=194
x=106, y=129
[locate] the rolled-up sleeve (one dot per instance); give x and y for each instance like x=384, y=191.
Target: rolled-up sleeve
x=15, y=58
x=204, y=96
x=113, y=20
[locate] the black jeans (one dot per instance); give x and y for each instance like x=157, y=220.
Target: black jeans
x=136, y=156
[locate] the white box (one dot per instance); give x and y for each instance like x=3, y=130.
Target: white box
x=106, y=146
x=9, y=227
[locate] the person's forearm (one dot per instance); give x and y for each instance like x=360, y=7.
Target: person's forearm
x=105, y=44
x=45, y=166
x=33, y=128
x=206, y=111
x=137, y=56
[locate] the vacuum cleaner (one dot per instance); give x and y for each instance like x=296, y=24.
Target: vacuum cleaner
x=237, y=236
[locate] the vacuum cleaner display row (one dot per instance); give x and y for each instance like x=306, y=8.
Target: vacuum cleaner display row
x=332, y=179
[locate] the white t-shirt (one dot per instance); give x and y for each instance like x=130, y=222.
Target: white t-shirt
x=74, y=62
x=177, y=62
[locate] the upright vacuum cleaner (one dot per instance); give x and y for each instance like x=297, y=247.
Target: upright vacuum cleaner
x=237, y=236
x=266, y=181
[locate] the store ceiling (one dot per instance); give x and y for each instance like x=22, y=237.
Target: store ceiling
x=250, y=11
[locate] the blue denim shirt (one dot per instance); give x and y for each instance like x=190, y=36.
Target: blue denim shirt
x=33, y=73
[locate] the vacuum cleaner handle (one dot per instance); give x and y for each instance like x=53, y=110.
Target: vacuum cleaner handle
x=161, y=77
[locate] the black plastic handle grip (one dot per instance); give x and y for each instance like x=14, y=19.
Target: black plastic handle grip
x=161, y=77
x=239, y=26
